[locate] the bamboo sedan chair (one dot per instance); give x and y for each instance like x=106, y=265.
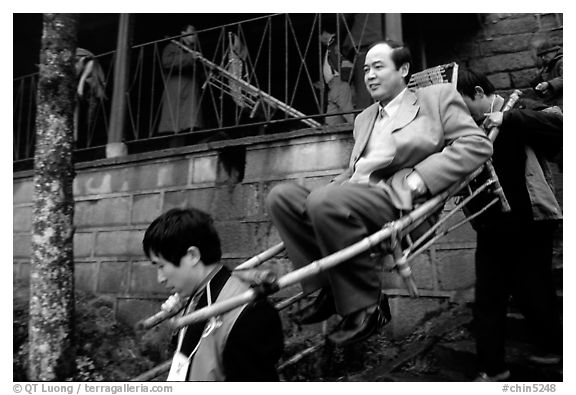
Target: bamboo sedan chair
x=400, y=241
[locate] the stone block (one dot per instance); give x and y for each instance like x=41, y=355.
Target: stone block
x=500, y=80
x=504, y=62
x=240, y=201
x=202, y=199
x=506, y=44
x=145, y=208
x=98, y=182
x=21, y=245
x=158, y=175
x=113, y=277
x=236, y=237
x=119, y=243
x=408, y=312
x=144, y=280
x=424, y=272
x=297, y=156
x=176, y=199
x=22, y=219
x=510, y=26
x=173, y=173
x=522, y=78
x=86, y=276
x=273, y=237
x=264, y=236
x=130, y=178
x=556, y=37
x=550, y=21
x=83, y=244
x=23, y=191
x=455, y=269
x=205, y=169
x=102, y=212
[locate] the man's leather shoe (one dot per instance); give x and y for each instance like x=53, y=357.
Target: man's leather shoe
x=318, y=310
x=362, y=324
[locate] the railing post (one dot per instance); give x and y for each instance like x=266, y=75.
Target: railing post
x=115, y=147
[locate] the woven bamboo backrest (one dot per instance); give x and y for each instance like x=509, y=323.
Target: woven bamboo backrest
x=444, y=73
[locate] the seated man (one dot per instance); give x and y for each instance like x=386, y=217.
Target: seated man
x=408, y=146
x=549, y=60
x=243, y=344
x=514, y=249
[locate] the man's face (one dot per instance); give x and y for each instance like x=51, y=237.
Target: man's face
x=191, y=35
x=543, y=59
x=183, y=279
x=478, y=106
x=382, y=79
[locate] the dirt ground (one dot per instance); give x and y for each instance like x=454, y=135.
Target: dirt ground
x=441, y=350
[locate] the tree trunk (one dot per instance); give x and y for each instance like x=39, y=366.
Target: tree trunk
x=51, y=330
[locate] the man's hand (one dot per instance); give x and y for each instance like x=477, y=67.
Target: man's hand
x=416, y=184
x=543, y=87
x=173, y=303
x=493, y=119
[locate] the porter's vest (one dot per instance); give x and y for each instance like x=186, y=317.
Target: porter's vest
x=207, y=364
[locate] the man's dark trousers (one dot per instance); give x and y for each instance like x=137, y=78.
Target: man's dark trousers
x=328, y=219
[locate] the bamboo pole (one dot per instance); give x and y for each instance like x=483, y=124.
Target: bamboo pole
x=289, y=301
x=261, y=258
x=257, y=260
x=445, y=218
x=317, y=266
x=512, y=100
x=302, y=354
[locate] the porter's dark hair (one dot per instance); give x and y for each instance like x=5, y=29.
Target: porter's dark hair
x=468, y=80
x=171, y=234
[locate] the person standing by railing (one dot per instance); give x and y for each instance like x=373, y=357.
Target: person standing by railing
x=181, y=107
x=337, y=72
x=365, y=30
x=91, y=91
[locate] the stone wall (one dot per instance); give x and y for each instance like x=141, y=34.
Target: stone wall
x=500, y=47
x=116, y=199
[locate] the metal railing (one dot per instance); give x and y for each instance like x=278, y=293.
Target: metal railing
x=277, y=56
